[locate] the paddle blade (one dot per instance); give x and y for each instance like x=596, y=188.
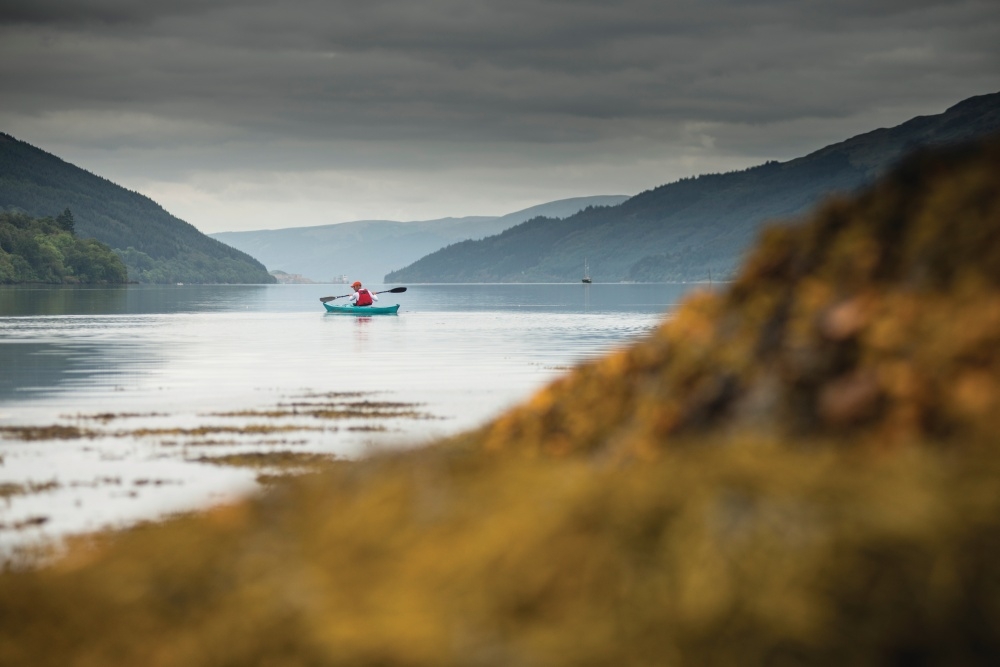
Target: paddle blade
x=397, y=290
x=324, y=299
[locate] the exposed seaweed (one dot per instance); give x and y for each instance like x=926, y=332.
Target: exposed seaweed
x=201, y=431
x=280, y=460
x=100, y=481
x=154, y=482
x=52, y=432
x=31, y=522
x=8, y=489
x=105, y=417
x=335, y=395
x=335, y=410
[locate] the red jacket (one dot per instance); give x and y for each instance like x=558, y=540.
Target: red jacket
x=364, y=298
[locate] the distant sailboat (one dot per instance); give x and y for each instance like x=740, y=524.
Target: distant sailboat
x=586, y=272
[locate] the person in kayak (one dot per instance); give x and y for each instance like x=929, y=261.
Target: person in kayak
x=361, y=296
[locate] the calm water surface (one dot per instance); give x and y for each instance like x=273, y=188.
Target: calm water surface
x=159, y=379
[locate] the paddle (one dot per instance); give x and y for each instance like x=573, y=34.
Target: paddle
x=394, y=290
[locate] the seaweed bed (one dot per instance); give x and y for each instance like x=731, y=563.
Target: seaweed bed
x=330, y=407
x=800, y=470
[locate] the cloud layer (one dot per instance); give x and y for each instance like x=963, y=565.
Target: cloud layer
x=229, y=113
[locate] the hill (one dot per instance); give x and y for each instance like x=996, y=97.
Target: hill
x=800, y=469
x=155, y=246
x=696, y=227
x=46, y=250
x=369, y=249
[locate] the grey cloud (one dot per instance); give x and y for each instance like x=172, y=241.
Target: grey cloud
x=91, y=13
x=496, y=75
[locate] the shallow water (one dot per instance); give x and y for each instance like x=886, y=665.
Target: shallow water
x=148, y=380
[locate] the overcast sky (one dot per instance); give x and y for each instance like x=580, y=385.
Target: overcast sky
x=265, y=114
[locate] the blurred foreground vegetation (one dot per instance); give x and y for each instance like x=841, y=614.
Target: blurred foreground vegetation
x=801, y=470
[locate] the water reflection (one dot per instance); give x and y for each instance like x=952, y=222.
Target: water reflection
x=30, y=369
x=575, y=297
x=181, y=366
x=361, y=334
x=31, y=301
x=41, y=363
x=164, y=299
x=59, y=338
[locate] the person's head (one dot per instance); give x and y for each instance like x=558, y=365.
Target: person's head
x=356, y=285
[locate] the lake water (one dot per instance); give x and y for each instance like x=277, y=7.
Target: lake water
x=123, y=404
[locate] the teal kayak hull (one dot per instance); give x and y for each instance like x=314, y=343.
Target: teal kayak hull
x=361, y=310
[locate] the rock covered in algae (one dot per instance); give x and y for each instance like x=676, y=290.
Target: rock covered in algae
x=871, y=327
x=877, y=317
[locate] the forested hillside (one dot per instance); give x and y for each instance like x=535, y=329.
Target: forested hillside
x=46, y=250
x=155, y=246
x=695, y=228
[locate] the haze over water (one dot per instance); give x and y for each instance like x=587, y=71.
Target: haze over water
x=157, y=377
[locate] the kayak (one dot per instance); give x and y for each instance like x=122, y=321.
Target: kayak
x=361, y=310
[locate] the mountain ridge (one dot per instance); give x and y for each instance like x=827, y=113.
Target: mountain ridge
x=372, y=248
x=696, y=227
x=156, y=246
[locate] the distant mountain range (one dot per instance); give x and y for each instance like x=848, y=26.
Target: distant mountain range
x=369, y=249
x=697, y=227
x=155, y=246
x=684, y=231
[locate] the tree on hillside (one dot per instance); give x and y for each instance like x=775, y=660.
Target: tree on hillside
x=66, y=222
